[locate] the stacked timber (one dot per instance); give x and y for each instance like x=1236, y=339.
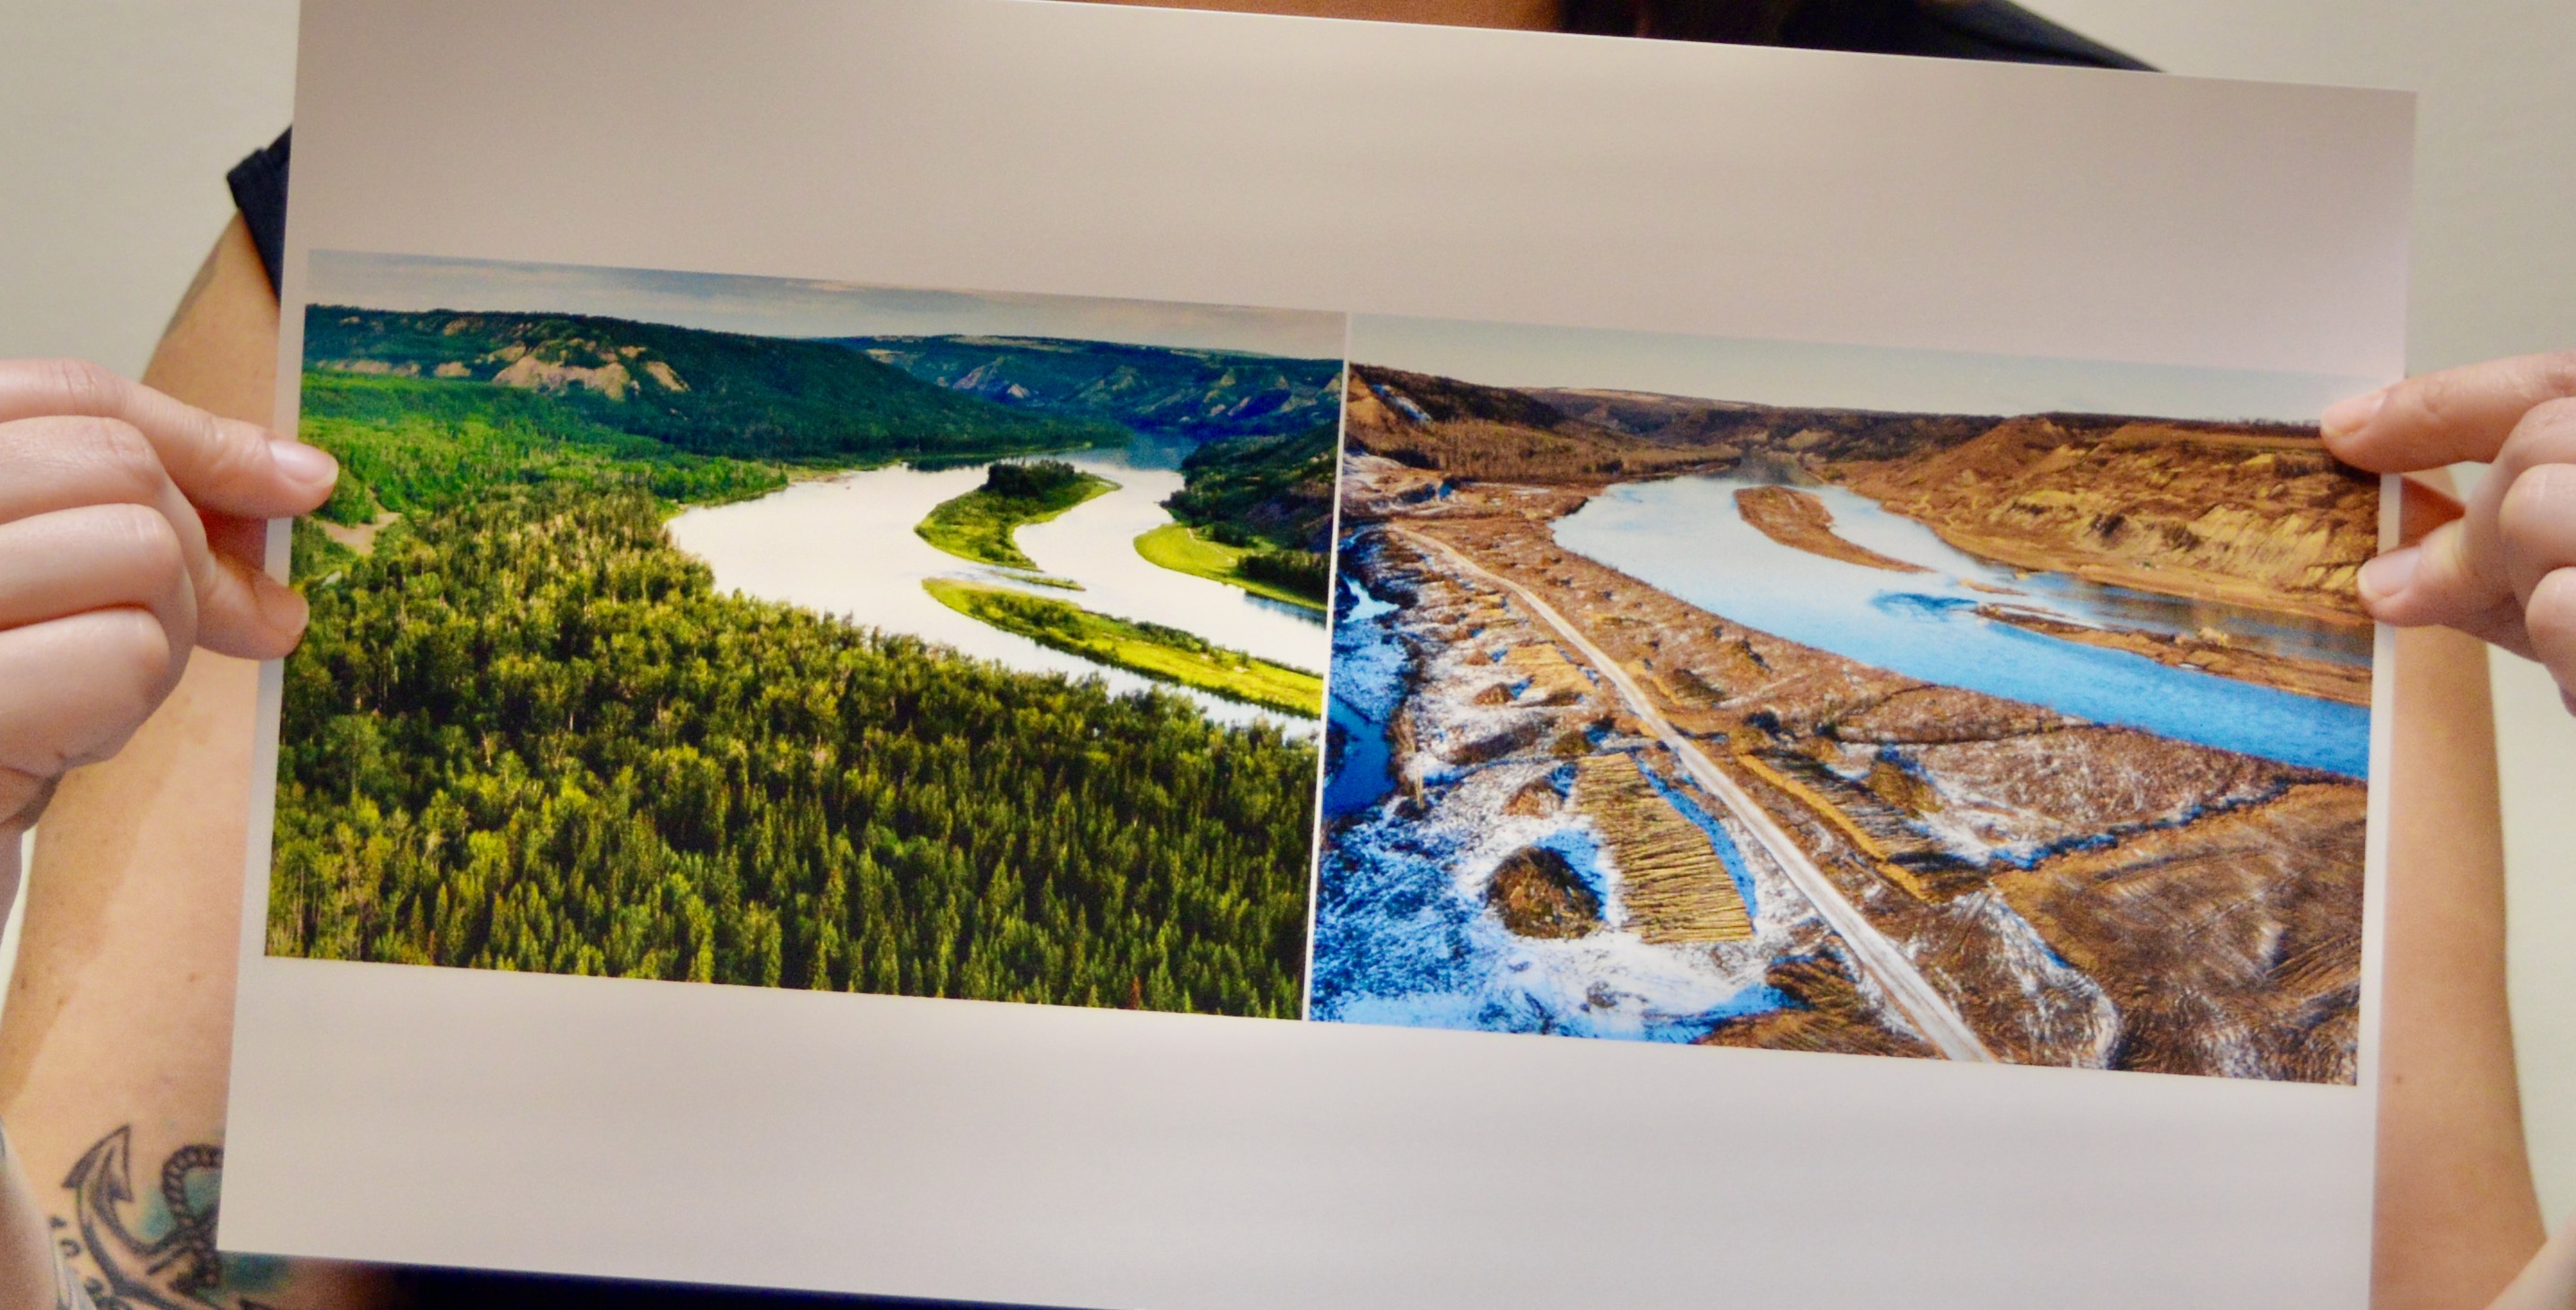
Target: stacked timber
x=1554, y=679
x=1672, y=882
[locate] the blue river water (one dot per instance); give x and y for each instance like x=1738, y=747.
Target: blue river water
x=1685, y=536
x=1368, y=679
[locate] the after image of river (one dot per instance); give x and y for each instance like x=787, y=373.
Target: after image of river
x=1615, y=758
x=844, y=545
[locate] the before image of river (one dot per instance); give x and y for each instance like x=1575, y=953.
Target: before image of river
x=845, y=545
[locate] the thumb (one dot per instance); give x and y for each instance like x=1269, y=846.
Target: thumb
x=244, y=613
x=2436, y=580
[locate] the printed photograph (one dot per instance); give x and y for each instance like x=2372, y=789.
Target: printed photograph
x=797, y=634
x=1837, y=699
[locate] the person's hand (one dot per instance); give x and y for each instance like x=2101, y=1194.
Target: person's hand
x=131, y=531
x=2505, y=570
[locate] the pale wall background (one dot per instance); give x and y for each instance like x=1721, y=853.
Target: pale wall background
x=119, y=117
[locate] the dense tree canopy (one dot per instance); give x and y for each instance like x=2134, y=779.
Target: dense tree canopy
x=1273, y=491
x=525, y=732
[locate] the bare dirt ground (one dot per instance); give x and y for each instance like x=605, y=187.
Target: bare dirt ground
x=2082, y=895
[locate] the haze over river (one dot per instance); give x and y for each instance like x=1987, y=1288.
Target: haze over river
x=1684, y=536
x=845, y=545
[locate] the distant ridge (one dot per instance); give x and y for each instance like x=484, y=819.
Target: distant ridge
x=713, y=393
x=1160, y=391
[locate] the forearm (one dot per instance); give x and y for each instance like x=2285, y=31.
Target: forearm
x=2456, y=1213
x=115, y=1051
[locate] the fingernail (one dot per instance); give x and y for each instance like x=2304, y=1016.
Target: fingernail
x=2345, y=417
x=306, y=464
x=2388, y=575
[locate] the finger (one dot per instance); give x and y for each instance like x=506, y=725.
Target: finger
x=243, y=612
x=221, y=464
x=73, y=690
x=2550, y=618
x=63, y=461
x=2444, y=418
x=238, y=538
x=59, y=462
x=97, y=557
x=2433, y=581
x=2535, y=525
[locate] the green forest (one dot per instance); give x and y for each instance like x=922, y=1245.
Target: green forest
x=706, y=393
x=1270, y=497
x=526, y=733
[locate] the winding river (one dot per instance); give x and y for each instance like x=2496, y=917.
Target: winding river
x=845, y=545
x=1684, y=536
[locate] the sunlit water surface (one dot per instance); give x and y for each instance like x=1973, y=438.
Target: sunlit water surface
x=1684, y=536
x=845, y=546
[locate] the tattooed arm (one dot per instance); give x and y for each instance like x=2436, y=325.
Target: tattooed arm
x=116, y=1044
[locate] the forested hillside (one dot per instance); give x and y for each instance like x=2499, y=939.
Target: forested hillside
x=1277, y=491
x=1200, y=395
x=525, y=732
x=406, y=444
x=1256, y=513
x=710, y=393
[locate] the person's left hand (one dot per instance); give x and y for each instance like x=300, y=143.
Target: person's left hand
x=2505, y=571
x=131, y=532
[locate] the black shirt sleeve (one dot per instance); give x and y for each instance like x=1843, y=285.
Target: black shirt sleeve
x=1990, y=29
x=259, y=191
x=1941, y=29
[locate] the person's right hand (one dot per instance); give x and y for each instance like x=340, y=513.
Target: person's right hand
x=131, y=531
x=2506, y=570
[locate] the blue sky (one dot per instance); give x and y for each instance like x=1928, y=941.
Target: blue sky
x=794, y=308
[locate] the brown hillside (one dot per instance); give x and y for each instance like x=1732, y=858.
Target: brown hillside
x=2252, y=514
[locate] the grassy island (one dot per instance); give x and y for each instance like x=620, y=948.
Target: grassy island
x=1157, y=652
x=1184, y=549
x=979, y=524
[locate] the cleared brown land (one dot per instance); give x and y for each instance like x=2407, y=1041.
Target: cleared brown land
x=2251, y=516
x=2246, y=513
x=2265, y=976
x=2217, y=932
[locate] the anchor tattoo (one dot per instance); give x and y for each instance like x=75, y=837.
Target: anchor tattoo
x=175, y=1270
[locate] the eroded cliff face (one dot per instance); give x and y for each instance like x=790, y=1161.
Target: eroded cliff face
x=2248, y=515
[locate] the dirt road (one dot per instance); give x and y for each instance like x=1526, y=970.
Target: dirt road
x=1913, y=994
